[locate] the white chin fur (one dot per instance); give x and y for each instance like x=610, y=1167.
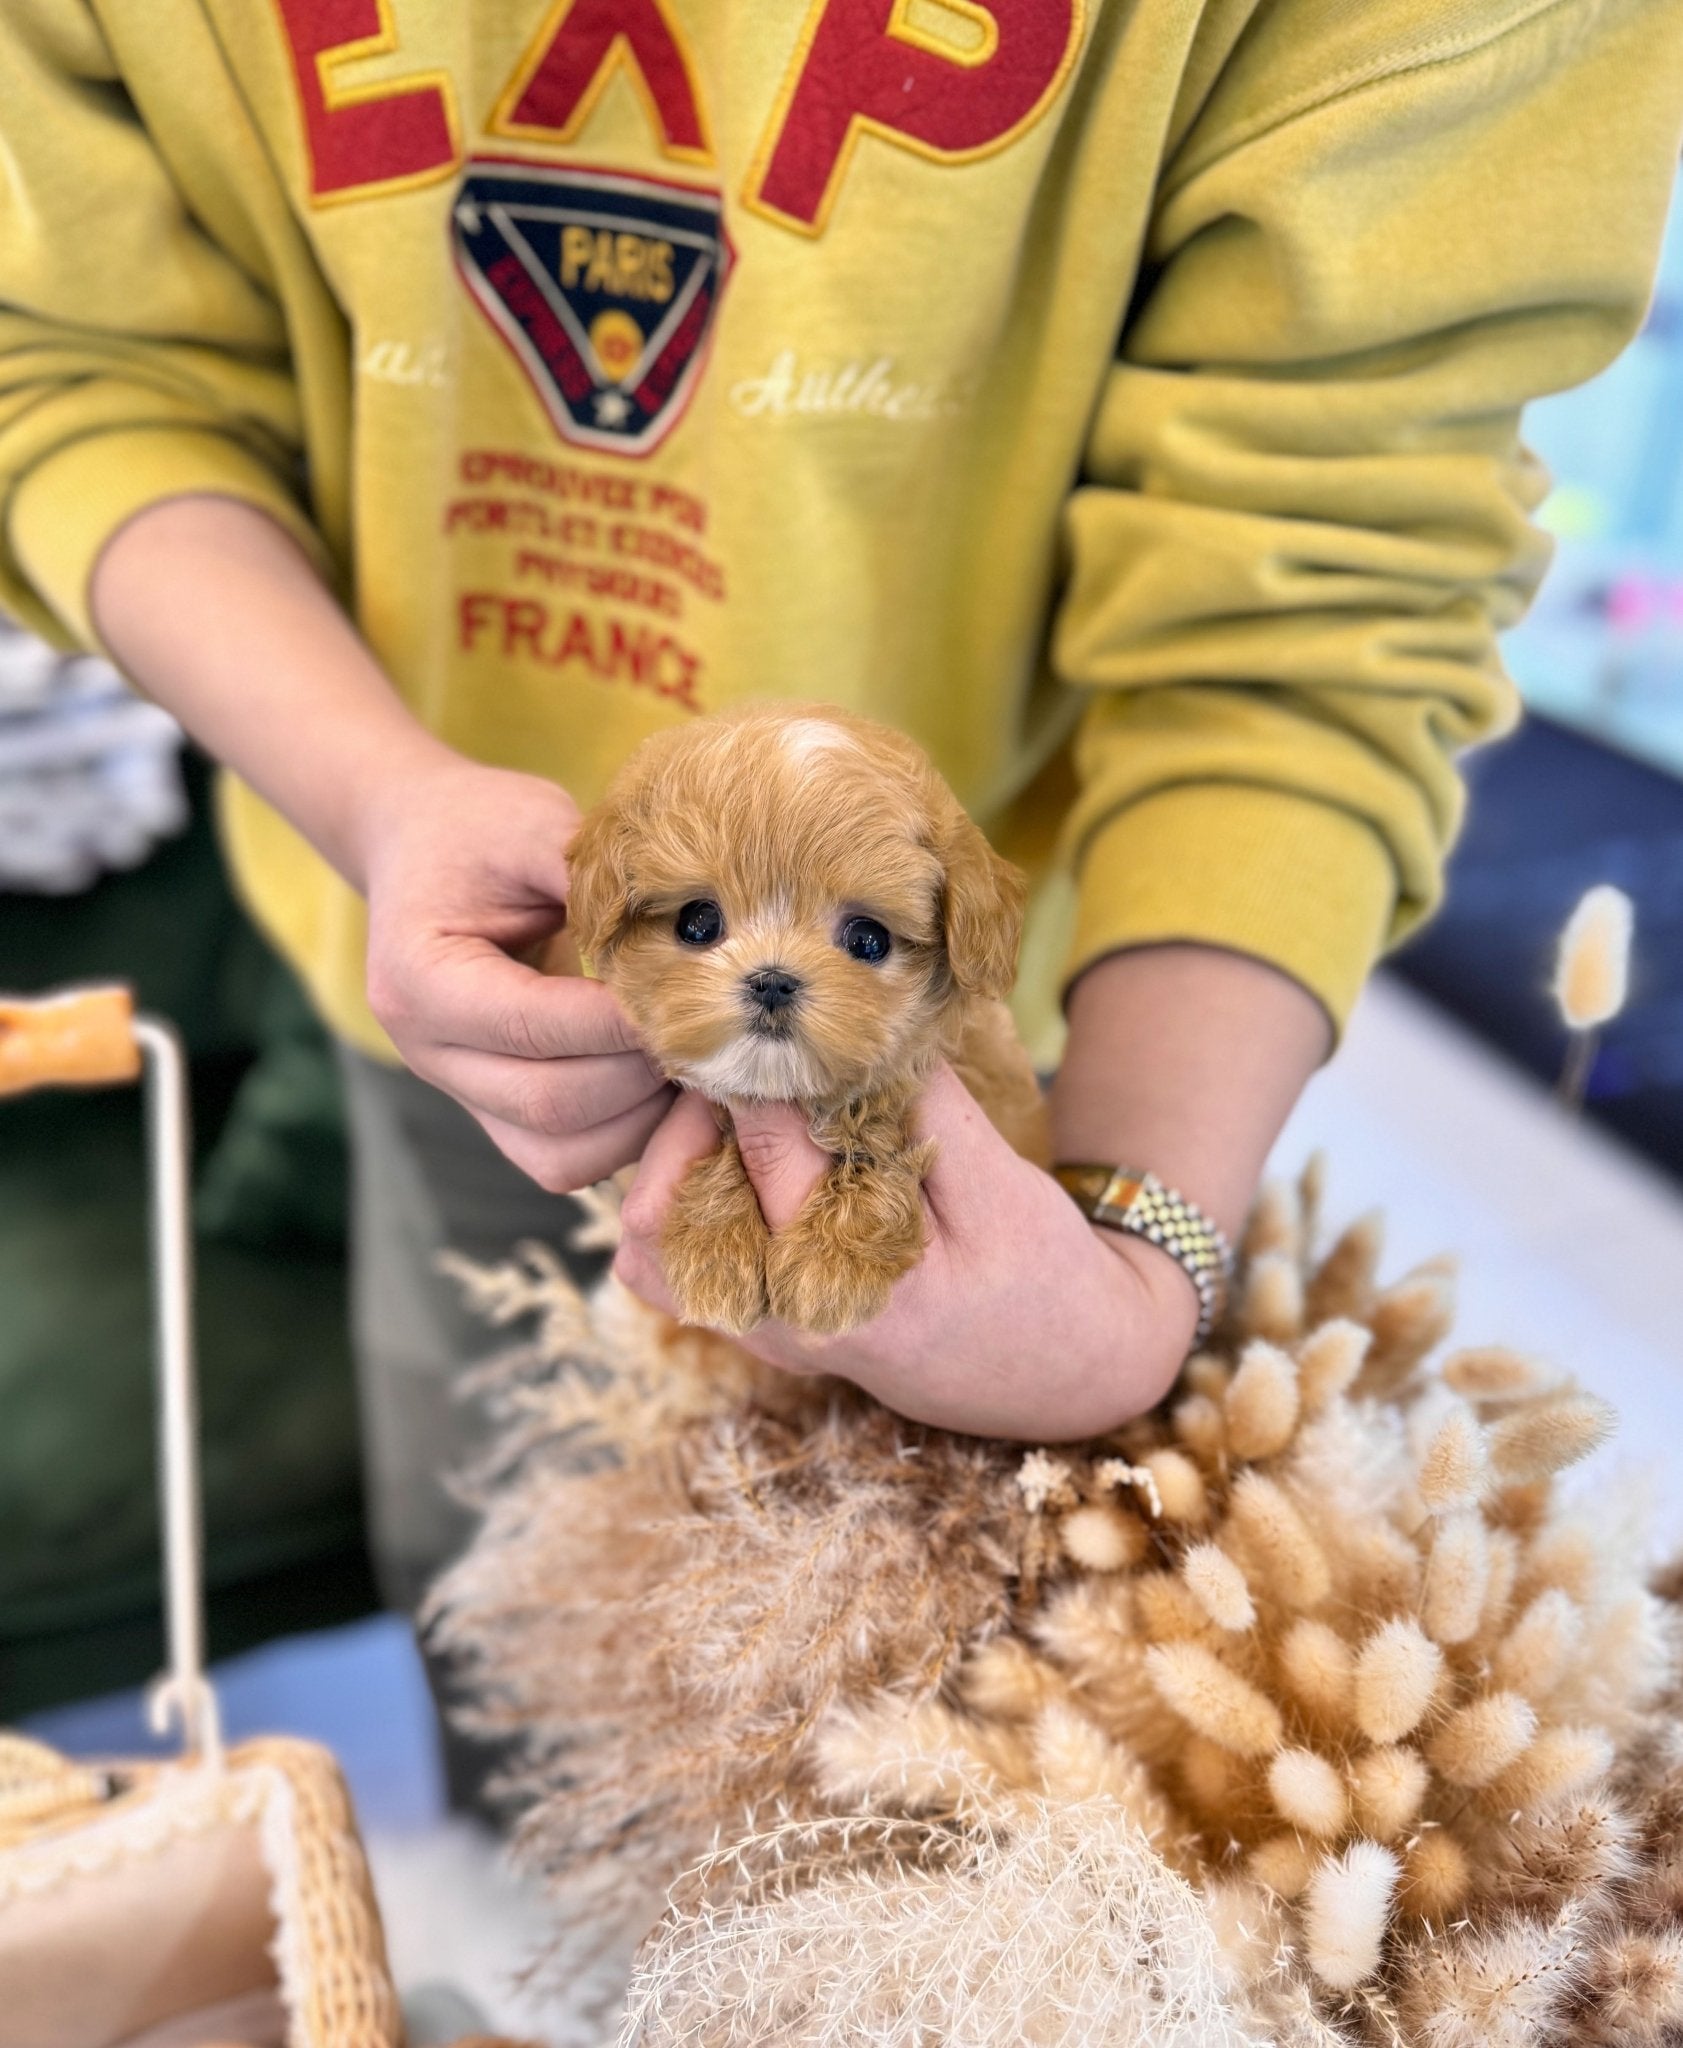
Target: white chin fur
x=756, y=1069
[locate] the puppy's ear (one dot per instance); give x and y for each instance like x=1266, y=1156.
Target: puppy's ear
x=982, y=908
x=600, y=901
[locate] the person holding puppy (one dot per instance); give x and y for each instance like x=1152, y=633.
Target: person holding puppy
x=429, y=401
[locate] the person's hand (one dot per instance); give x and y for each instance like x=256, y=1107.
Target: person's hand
x=1021, y=1320
x=464, y=871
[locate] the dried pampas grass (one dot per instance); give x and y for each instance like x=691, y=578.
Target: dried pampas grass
x=1040, y=1923
x=1592, y=979
x=672, y=1585
x=1592, y=972
x=1313, y=1668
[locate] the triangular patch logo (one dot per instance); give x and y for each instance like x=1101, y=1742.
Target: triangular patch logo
x=603, y=285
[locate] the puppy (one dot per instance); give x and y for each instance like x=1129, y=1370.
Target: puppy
x=793, y=907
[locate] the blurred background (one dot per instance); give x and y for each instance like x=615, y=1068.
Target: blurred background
x=1440, y=1107
x=1591, y=788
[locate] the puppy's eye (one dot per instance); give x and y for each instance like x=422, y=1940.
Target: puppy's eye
x=700, y=923
x=864, y=939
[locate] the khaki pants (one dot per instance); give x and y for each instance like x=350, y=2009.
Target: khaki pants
x=424, y=1179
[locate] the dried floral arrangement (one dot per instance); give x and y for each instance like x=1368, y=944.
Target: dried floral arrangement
x=1305, y=1710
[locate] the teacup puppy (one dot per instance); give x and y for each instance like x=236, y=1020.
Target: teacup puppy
x=793, y=907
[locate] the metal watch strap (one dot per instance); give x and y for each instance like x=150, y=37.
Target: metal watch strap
x=1123, y=1198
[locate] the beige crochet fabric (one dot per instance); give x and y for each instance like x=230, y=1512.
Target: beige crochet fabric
x=188, y=1906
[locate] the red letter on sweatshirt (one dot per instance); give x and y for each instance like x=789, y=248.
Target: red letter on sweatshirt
x=869, y=64
x=577, y=51
x=364, y=137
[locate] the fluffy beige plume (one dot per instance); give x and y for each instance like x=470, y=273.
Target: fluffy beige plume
x=1206, y=1372
x=1630, y=1993
x=1284, y=1864
x=1457, y=1576
x=1533, y=1656
x=1382, y=1569
x=1218, y=1586
x=1273, y=1531
x=1499, y=1985
x=1656, y=1889
x=1452, y=1473
x=1319, y=1670
x=1262, y=1402
x=1214, y=1699
x=1397, y=1674
x=1181, y=1492
x=1102, y=1538
x=1329, y=1361
x=1480, y=1740
x=1247, y=1924
x=1592, y=971
x=1625, y=1654
x=1521, y=1505
x=1076, y=1761
x=1436, y=1876
x=1575, y=1849
x=1501, y=1566
x=1538, y=1441
x=1201, y=1427
x=1273, y=1298
x=1167, y=1610
x=1561, y=1763
x=1275, y=1224
x=1004, y=1681
x=1388, y=1787
x=901, y=1756
x=1491, y=1372
x=1406, y=1321
x=1566, y=1554
x=1343, y=1284
x=1347, y=1907
x=1214, y=1778
x=1308, y=1793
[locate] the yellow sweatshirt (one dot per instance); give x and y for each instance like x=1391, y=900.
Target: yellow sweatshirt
x=1120, y=395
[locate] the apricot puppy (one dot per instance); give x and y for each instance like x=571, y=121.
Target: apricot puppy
x=792, y=906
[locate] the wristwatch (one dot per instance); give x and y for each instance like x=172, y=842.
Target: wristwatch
x=1123, y=1198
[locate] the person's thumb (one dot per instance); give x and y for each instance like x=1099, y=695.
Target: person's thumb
x=783, y=1163
x=970, y=1155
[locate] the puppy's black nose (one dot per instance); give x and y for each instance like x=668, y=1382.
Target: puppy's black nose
x=773, y=988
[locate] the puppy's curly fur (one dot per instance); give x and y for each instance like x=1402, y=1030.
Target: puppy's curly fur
x=793, y=906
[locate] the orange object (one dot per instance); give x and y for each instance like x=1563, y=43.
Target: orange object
x=78, y=1038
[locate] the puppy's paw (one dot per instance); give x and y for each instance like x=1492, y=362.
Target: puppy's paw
x=713, y=1246
x=834, y=1267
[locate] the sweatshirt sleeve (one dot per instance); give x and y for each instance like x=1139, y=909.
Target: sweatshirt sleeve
x=1305, y=508
x=138, y=359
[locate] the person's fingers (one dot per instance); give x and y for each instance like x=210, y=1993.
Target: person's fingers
x=466, y=992
x=688, y=1132
x=564, y=1165
x=637, y=1267
x=783, y=1163
x=561, y=1098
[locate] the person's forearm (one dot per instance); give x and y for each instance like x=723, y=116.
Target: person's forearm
x=216, y=613
x=1186, y=1061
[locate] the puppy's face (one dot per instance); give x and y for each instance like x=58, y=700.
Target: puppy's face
x=786, y=903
